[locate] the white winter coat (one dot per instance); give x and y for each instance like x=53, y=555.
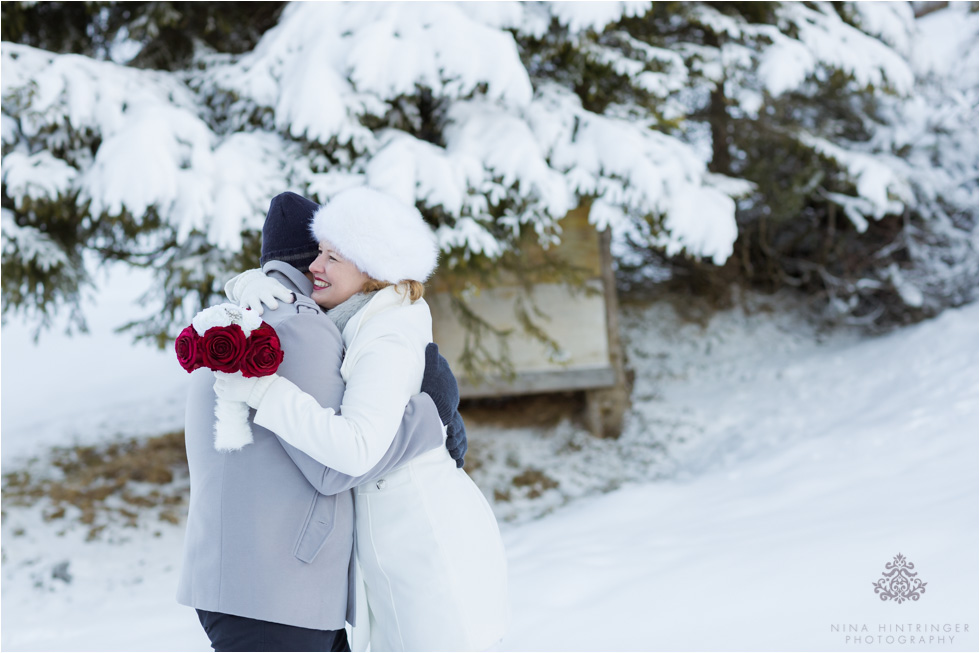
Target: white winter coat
x=427, y=542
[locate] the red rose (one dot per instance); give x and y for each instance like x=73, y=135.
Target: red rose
x=188, y=349
x=264, y=354
x=223, y=348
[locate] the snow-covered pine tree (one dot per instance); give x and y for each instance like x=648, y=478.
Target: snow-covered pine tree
x=819, y=108
x=96, y=153
x=930, y=139
x=428, y=101
x=495, y=119
x=841, y=147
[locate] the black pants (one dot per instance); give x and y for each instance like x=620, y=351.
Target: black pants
x=230, y=633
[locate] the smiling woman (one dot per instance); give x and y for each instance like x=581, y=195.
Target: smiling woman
x=369, y=241
x=335, y=279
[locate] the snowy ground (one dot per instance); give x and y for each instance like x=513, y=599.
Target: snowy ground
x=767, y=474
x=91, y=387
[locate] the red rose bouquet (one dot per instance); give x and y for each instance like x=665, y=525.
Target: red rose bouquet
x=228, y=339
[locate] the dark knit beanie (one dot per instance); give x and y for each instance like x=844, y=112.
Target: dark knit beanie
x=286, y=234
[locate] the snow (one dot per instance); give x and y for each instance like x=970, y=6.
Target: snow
x=823, y=39
x=326, y=63
x=945, y=35
x=892, y=22
x=407, y=168
x=142, y=163
x=507, y=148
x=36, y=176
x=792, y=465
x=499, y=145
x=785, y=65
x=470, y=235
x=767, y=471
x=634, y=172
x=61, y=390
x=248, y=171
x=881, y=190
x=580, y=16
x=835, y=43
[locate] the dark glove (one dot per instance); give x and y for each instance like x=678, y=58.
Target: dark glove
x=456, y=439
x=439, y=383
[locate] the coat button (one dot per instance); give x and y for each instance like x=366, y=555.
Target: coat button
x=381, y=484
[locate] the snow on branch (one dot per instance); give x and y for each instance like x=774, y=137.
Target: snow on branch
x=634, y=173
x=581, y=16
x=154, y=150
x=327, y=70
x=810, y=39
x=36, y=176
x=325, y=65
x=30, y=245
x=505, y=146
x=880, y=190
x=892, y=22
x=919, y=155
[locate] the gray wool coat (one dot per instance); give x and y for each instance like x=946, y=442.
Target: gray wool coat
x=270, y=531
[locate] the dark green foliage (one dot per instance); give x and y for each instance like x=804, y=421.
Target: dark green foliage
x=422, y=115
x=167, y=32
x=56, y=26
x=790, y=233
x=555, y=57
x=42, y=290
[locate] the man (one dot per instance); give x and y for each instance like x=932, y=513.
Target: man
x=268, y=554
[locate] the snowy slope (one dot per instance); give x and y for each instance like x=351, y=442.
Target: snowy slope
x=810, y=477
x=806, y=464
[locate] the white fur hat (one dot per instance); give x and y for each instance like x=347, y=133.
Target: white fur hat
x=385, y=239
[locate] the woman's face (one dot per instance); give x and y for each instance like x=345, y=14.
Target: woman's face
x=335, y=279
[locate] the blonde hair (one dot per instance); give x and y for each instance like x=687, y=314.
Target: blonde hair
x=414, y=289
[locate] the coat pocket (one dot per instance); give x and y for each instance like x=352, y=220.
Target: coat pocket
x=319, y=524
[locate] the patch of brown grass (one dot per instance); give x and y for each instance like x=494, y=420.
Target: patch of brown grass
x=535, y=481
x=117, y=481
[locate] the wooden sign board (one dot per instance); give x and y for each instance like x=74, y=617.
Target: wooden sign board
x=578, y=321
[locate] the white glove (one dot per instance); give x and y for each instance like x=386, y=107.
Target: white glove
x=252, y=288
x=235, y=387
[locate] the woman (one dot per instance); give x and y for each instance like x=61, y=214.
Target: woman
x=427, y=541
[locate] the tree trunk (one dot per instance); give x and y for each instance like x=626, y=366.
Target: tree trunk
x=721, y=157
